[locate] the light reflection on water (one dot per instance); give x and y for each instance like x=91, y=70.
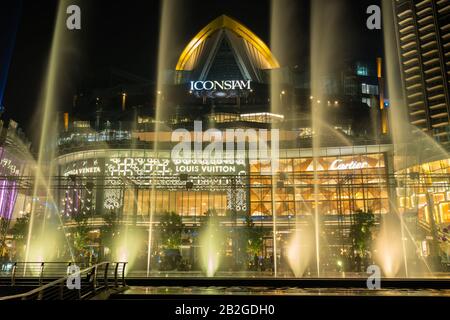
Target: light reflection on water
x=269, y=275
x=291, y=291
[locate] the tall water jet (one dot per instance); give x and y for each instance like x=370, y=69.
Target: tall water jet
x=324, y=36
x=211, y=243
x=282, y=17
x=126, y=247
x=399, y=122
x=399, y=128
x=300, y=251
x=388, y=248
x=280, y=43
x=62, y=43
x=169, y=25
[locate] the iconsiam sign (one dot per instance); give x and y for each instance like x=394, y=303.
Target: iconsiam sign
x=221, y=85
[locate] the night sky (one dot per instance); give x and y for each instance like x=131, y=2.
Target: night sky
x=124, y=35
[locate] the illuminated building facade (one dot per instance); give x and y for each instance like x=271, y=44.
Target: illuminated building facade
x=222, y=80
x=424, y=44
x=15, y=159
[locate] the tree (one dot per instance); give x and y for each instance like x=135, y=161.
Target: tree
x=3, y=228
x=361, y=231
x=253, y=237
x=20, y=231
x=110, y=228
x=80, y=236
x=171, y=226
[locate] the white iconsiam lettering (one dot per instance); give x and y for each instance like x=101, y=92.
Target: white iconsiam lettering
x=221, y=85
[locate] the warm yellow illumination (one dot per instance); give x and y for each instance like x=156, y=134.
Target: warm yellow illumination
x=379, y=66
x=124, y=101
x=66, y=121
x=234, y=26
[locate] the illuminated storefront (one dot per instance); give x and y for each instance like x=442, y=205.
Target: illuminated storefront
x=423, y=192
x=15, y=162
x=346, y=184
x=135, y=182
x=424, y=186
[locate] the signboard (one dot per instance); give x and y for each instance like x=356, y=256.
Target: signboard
x=82, y=168
x=227, y=176
x=224, y=85
x=339, y=164
x=220, y=89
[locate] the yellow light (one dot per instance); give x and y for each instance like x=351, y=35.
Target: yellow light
x=124, y=101
x=234, y=26
x=379, y=67
x=66, y=121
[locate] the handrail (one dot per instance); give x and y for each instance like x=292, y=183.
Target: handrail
x=89, y=285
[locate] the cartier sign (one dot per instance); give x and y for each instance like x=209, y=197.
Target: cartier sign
x=339, y=164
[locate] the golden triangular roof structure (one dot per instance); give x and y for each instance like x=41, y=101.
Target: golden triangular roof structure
x=256, y=47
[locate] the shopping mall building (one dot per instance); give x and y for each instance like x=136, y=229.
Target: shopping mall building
x=119, y=159
x=15, y=166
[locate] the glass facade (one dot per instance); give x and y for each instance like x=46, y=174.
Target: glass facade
x=426, y=188
x=140, y=186
x=345, y=185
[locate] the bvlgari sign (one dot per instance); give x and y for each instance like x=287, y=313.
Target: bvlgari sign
x=223, y=85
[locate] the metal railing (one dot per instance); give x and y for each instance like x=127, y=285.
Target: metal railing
x=92, y=280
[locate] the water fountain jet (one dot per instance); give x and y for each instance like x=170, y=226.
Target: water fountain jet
x=300, y=251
